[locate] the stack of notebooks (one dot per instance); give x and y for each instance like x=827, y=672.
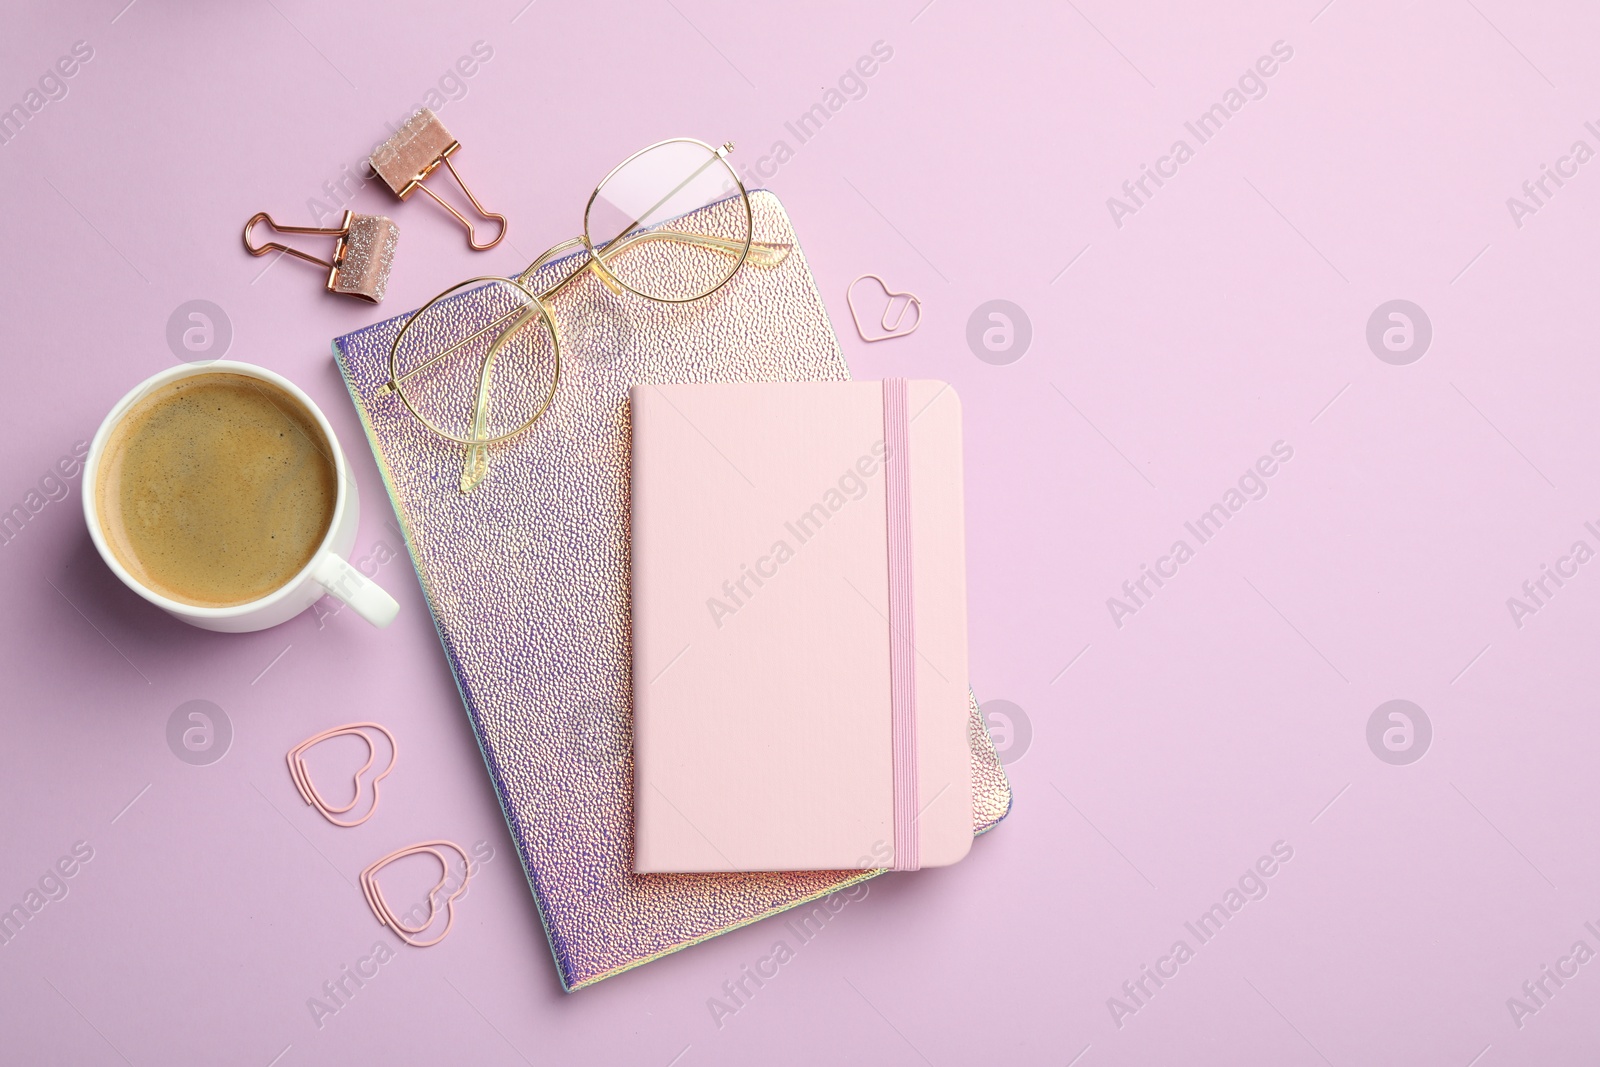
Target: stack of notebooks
x=707, y=617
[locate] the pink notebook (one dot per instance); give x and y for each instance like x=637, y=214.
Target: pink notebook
x=799, y=627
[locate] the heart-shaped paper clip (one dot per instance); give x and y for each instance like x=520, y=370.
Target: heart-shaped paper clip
x=385, y=914
x=890, y=329
x=308, y=791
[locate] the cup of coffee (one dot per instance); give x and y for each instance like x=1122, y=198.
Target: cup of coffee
x=219, y=493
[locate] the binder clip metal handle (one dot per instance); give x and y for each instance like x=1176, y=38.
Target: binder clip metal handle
x=363, y=251
x=406, y=161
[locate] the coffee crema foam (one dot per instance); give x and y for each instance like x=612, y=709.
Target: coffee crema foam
x=216, y=489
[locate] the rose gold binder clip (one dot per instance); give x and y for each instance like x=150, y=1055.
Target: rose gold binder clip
x=406, y=160
x=362, y=253
x=412, y=934
x=308, y=791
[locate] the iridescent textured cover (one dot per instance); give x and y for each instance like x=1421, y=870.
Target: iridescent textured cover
x=527, y=578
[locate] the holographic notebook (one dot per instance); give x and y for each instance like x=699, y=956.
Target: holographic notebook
x=527, y=578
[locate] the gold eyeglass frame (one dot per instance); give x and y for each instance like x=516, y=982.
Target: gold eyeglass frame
x=749, y=250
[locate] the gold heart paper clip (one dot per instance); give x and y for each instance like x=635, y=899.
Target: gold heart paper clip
x=308, y=791
x=891, y=330
x=385, y=914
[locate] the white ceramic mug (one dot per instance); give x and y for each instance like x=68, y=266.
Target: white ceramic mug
x=329, y=570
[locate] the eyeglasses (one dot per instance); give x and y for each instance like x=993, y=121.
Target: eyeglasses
x=671, y=224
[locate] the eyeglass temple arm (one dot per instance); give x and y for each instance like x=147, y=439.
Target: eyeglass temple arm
x=477, y=460
x=521, y=314
x=388, y=387
x=761, y=254
x=764, y=254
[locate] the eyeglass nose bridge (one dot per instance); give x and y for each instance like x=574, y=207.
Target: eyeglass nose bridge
x=599, y=268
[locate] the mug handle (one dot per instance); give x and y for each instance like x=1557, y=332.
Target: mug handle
x=343, y=581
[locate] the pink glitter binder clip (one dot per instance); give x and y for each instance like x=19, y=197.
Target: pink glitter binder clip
x=386, y=916
x=363, y=251
x=406, y=160
x=308, y=791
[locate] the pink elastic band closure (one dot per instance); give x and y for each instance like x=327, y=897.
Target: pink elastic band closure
x=902, y=640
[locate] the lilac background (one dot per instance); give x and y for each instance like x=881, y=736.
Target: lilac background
x=1168, y=353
